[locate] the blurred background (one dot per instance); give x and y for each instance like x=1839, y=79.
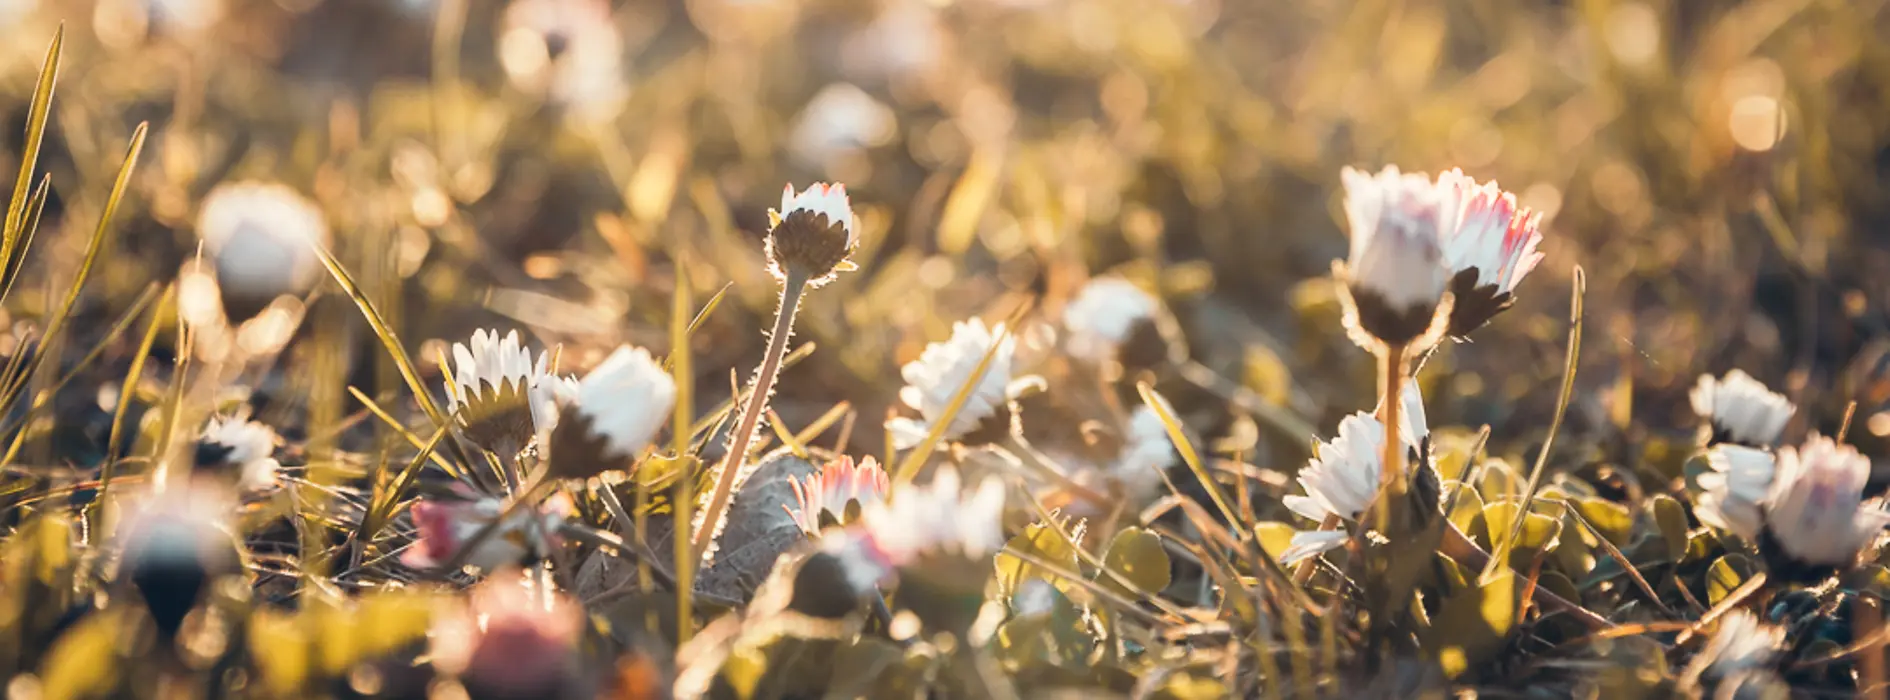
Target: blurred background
x=1720, y=171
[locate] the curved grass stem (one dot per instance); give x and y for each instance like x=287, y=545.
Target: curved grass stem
x=791, y=290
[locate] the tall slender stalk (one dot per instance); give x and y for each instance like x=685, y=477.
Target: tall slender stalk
x=791, y=290
x=1391, y=476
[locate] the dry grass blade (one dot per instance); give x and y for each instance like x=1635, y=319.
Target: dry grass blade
x=22, y=240
x=93, y=250
x=1166, y=412
x=681, y=363
x=909, y=467
x=683, y=301
x=1501, y=555
x=37, y=114
x=387, y=498
x=126, y=392
x=43, y=399
x=374, y=407
x=391, y=342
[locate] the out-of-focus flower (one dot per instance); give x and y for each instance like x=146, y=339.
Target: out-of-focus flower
x=1146, y=451
x=174, y=545
x=939, y=518
x=1741, y=656
x=1489, y=244
x=445, y=526
x=568, y=50
x=839, y=487
x=262, y=238
x=16, y=11
x=611, y=415
x=1396, y=273
x=500, y=397
x=934, y=378
x=812, y=234
x=1113, y=319
x=1343, y=475
x=1733, y=494
x=1815, y=512
x=1741, y=410
x=904, y=40
x=511, y=641
x=840, y=120
x=248, y=446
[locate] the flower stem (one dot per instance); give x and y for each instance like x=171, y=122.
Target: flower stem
x=1391, y=476
x=791, y=290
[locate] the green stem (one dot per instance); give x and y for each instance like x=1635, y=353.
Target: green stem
x=791, y=290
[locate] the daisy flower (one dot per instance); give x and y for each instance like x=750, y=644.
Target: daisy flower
x=934, y=519
x=1395, y=271
x=246, y=445
x=611, y=414
x=812, y=234
x=500, y=396
x=1741, y=410
x=1342, y=477
x=174, y=545
x=1733, y=493
x=1107, y=315
x=511, y=641
x=261, y=238
x=445, y=526
x=839, y=487
x=1815, y=514
x=934, y=378
x=1489, y=245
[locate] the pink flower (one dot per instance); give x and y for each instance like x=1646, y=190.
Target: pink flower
x=511, y=641
x=1485, y=230
x=444, y=526
x=830, y=490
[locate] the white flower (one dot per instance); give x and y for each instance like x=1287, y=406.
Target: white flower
x=625, y=400
x=821, y=198
x=830, y=490
x=1815, y=508
x=1743, y=643
x=1310, y=543
x=841, y=119
x=1741, y=409
x=1486, y=231
x=1343, y=476
x=939, y=517
x=250, y=446
x=1103, y=314
x=445, y=526
x=569, y=50
x=934, y=378
x=1146, y=450
x=1733, y=494
x=903, y=41
x=262, y=238
x=1397, y=237
x=492, y=369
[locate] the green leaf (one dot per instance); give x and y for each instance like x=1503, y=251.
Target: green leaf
x=1671, y=518
x=1136, y=556
x=1474, y=623
x=1274, y=537
x=1611, y=519
x=1469, y=506
x=1043, y=542
x=1726, y=575
x=1538, y=532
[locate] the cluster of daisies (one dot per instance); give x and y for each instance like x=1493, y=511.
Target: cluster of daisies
x=1430, y=258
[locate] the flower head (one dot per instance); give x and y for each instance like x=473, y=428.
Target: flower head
x=939, y=518
x=1343, y=476
x=1743, y=643
x=1489, y=244
x=1733, y=493
x=611, y=414
x=1395, y=272
x=262, y=237
x=174, y=545
x=1146, y=450
x=934, y=378
x=834, y=490
x=812, y=234
x=1741, y=410
x=511, y=641
x=500, y=397
x=1815, y=512
x=447, y=525
x=840, y=121
x=570, y=51
x=244, y=444
x=1106, y=315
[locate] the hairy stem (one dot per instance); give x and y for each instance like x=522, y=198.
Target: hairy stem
x=791, y=290
x=1391, y=476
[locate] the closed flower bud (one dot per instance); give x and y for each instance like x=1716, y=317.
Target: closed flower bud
x=1489, y=244
x=812, y=234
x=611, y=415
x=500, y=397
x=1395, y=273
x=261, y=238
x=1740, y=410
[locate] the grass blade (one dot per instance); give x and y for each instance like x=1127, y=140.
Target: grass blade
x=382, y=505
x=681, y=365
x=1500, y=557
x=36, y=117
x=22, y=240
x=125, y=393
x=1188, y=454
